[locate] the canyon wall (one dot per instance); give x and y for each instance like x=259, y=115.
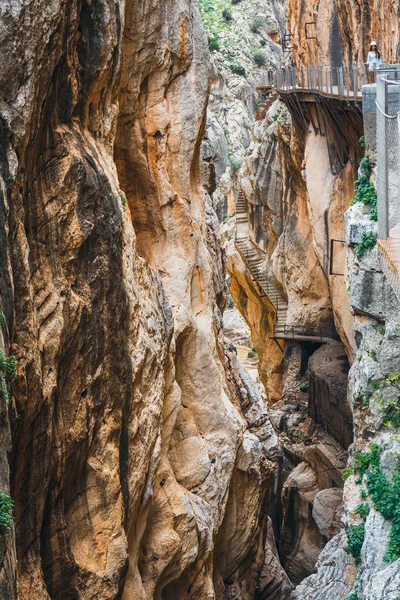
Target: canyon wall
x=297, y=193
x=142, y=458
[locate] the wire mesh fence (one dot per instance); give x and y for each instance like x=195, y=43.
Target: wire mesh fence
x=388, y=175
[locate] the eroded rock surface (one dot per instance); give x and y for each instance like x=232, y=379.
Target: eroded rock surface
x=141, y=455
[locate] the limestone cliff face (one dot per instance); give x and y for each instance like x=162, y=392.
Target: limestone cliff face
x=141, y=457
x=337, y=33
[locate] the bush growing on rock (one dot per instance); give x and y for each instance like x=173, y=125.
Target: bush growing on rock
x=368, y=242
x=365, y=189
x=260, y=58
x=256, y=24
x=355, y=540
x=238, y=70
x=6, y=518
x=227, y=14
x=213, y=43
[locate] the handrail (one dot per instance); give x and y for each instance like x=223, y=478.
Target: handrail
x=344, y=82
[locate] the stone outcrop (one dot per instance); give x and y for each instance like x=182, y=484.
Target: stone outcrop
x=301, y=539
x=328, y=404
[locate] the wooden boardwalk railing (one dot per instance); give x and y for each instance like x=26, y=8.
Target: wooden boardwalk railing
x=343, y=83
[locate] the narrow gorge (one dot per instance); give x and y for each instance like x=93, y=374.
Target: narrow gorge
x=199, y=300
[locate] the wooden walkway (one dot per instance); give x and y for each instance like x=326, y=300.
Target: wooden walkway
x=254, y=261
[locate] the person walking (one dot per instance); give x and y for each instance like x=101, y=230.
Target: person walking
x=271, y=74
x=373, y=60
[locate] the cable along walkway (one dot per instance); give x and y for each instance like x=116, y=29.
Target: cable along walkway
x=250, y=254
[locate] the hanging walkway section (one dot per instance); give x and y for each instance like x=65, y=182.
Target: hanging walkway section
x=328, y=101
x=251, y=256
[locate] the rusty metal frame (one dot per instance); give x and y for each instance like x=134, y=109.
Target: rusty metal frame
x=331, y=257
x=310, y=37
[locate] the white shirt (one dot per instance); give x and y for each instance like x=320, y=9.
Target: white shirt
x=372, y=60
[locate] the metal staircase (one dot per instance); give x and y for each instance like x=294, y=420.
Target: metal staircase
x=252, y=258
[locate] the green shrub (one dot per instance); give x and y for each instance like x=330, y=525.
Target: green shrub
x=226, y=219
x=365, y=190
x=238, y=70
x=123, y=199
x=368, y=242
x=281, y=115
x=363, y=494
x=213, y=43
x=8, y=369
x=362, y=141
x=10, y=178
x=6, y=518
x=227, y=14
x=256, y=24
x=365, y=164
x=353, y=595
x=373, y=355
x=260, y=58
x=8, y=366
x=385, y=495
x=2, y=317
x=363, y=510
x=252, y=353
x=355, y=540
x=382, y=330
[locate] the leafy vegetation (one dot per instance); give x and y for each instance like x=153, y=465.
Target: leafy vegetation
x=355, y=540
x=226, y=219
x=213, y=43
x=281, y=115
x=10, y=178
x=123, y=199
x=238, y=70
x=260, y=58
x=228, y=25
x=365, y=189
x=362, y=141
x=256, y=24
x=227, y=14
x=387, y=396
x=6, y=518
x=8, y=366
x=372, y=354
x=252, y=353
x=8, y=369
x=368, y=242
x=2, y=317
x=363, y=510
x=385, y=495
